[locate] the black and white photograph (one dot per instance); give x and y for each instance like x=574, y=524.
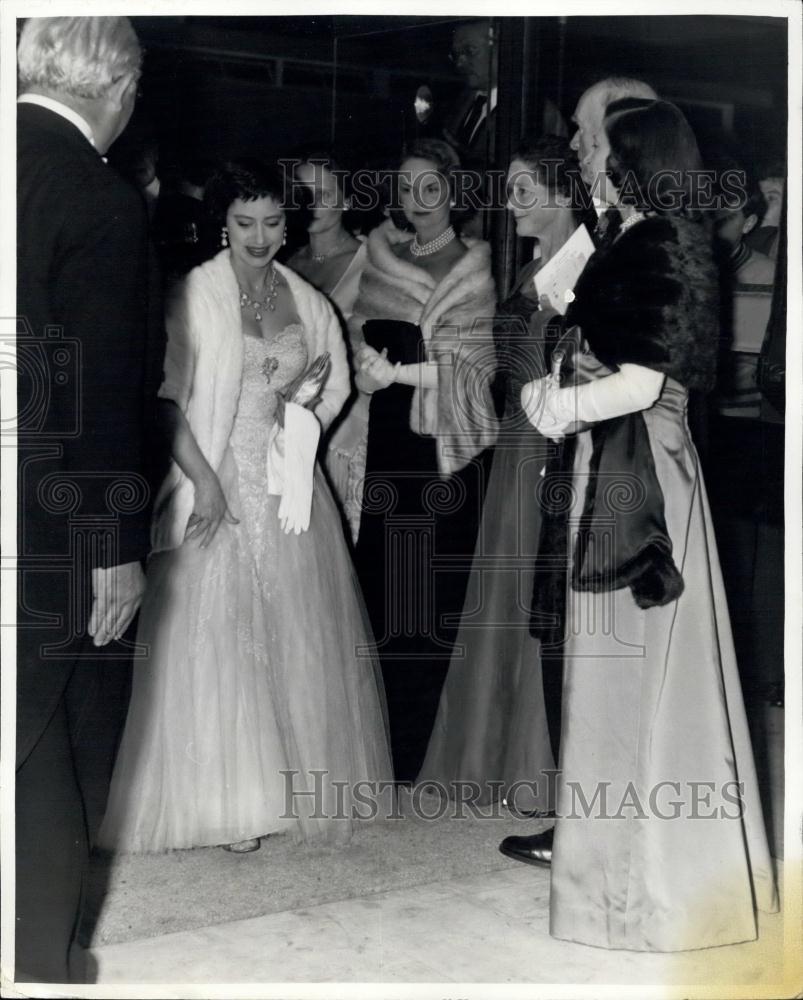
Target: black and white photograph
x=401, y=500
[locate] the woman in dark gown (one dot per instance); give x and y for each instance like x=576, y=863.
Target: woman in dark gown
x=491, y=733
x=424, y=313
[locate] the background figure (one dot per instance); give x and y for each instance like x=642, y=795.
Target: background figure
x=424, y=312
x=252, y=613
x=492, y=724
x=764, y=236
x=83, y=505
x=743, y=264
x=333, y=261
x=470, y=127
x=655, y=701
x=136, y=157
x=182, y=229
x=745, y=460
x=471, y=124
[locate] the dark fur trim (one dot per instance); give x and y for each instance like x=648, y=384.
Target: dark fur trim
x=652, y=299
x=651, y=575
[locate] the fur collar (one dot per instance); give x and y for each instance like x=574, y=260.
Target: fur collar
x=456, y=319
x=393, y=288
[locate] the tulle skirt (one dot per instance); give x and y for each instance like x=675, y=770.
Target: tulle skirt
x=260, y=685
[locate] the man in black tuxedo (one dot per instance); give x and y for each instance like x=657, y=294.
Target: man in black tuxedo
x=86, y=367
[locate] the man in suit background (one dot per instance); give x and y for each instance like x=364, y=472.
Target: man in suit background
x=474, y=57
x=85, y=372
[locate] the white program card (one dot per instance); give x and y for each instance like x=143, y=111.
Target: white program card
x=558, y=276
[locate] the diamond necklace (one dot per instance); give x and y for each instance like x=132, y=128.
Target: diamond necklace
x=319, y=258
x=258, y=305
x=425, y=249
x=631, y=220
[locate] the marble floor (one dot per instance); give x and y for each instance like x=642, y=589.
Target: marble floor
x=489, y=930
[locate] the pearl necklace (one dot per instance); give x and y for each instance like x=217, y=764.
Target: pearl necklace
x=424, y=250
x=258, y=305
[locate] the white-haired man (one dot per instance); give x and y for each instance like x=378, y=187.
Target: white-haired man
x=589, y=116
x=85, y=367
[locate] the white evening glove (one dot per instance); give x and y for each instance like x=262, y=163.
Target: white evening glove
x=291, y=466
x=552, y=410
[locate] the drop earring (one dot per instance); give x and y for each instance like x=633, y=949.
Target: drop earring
x=284, y=236
x=224, y=237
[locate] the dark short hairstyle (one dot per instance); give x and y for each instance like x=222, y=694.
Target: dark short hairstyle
x=245, y=178
x=554, y=163
x=654, y=155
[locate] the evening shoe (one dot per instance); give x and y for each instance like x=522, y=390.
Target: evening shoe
x=242, y=846
x=534, y=850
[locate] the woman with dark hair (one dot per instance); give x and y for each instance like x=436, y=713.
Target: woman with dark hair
x=423, y=316
x=333, y=261
x=252, y=614
x=659, y=843
x=491, y=729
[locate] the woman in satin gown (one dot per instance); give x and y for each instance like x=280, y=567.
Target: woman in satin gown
x=424, y=315
x=659, y=843
x=333, y=261
x=493, y=734
x=259, y=671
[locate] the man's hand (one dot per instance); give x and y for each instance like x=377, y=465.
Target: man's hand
x=117, y=594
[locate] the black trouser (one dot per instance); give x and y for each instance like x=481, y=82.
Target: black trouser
x=52, y=855
x=61, y=790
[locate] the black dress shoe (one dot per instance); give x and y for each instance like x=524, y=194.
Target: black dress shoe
x=534, y=850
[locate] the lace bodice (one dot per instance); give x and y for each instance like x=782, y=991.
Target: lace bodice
x=268, y=366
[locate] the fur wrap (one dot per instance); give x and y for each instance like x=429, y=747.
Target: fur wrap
x=203, y=371
x=456, y=320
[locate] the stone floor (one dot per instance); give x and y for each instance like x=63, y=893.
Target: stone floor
x=491, y=929
x=425, y=939
x=447, y=934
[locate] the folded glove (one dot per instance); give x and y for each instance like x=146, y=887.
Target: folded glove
x=291, y=466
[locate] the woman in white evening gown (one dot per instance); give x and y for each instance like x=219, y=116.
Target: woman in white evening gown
x=258, y=684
